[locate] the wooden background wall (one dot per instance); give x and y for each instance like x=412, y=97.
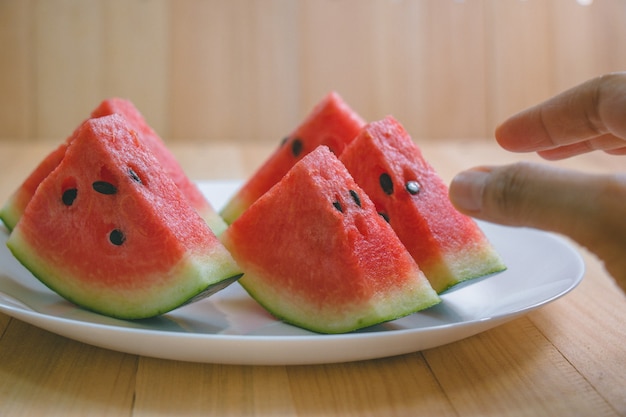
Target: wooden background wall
x=250, y=70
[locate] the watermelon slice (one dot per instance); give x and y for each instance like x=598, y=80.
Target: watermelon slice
x=166, y=158
x=316, y=254
x=15, y=205
x=109, y=230
x=447, y=245
x=331, y=122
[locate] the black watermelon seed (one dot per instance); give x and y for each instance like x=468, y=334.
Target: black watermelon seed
x=133, y=175
x=337, y=205
x=104, y=187
x=384, y=216
x=296, y=147
x=69, y=196
x=117, y=237
x=355, y=197
x=412, y=187
x=386, y=184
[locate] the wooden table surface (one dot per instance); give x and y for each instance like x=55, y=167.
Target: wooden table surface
x=567, y=358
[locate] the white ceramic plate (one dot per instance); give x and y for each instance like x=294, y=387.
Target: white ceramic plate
x=231, y=328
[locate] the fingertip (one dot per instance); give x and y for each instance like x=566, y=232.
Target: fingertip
x=618, y=151
x=467, y=189
x=500, y=133
x=510, y=134
x=524, y=132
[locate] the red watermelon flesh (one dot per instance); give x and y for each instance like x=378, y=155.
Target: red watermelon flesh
x=109, y=230
x=447, y=245
x=154, y=142
x=331, y=123
x=316, y=254
x=14, y=206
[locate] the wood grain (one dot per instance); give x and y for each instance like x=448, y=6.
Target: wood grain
x=16, y=70
x=566, y=358
x=249, y=72
x=45, y=374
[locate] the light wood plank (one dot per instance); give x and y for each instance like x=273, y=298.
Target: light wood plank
x=269, y=91
x=520, y=60
x=4, y=322
x=434, y=68
x=16, y=70
x=69, y=64
x=249, y=72
x=369, y=388
x=525, y=374
x=135, y=57
x=336, y=39
x=575, y=50
x=42, y=374
x=202, y=53
x=421, y=61
x=232, y=70
x=589, y=40
x=592, y=320
x=189, y=389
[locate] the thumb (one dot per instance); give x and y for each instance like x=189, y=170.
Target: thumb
x=525, y=194
x=587, y=208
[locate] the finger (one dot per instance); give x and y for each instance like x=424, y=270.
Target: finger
x=588, y=208
x=602, y=143
x=592, y=109
x=540, y=196
x=618, y=151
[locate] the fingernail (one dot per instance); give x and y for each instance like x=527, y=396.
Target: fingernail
x=466, y=189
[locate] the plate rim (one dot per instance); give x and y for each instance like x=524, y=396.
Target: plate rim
x=65, y=326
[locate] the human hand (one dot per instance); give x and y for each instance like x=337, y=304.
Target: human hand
x=588, y=208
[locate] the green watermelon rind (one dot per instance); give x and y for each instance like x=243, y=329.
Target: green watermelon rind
x=404, y=303
x=477, y=262
x=191, y=279
x=9, y=213
x=236, y=206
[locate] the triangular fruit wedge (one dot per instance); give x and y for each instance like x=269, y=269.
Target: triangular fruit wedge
x=15, y=205
x=154, y=142
x=331, y=123
x=316, y=254
x=447, y=245
x=109, y=230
